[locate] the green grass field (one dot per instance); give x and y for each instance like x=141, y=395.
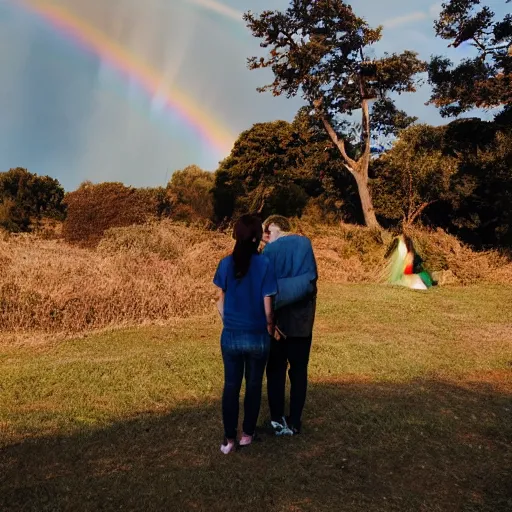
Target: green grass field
x=409, y=409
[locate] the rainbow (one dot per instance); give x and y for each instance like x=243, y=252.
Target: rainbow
x=178, y=103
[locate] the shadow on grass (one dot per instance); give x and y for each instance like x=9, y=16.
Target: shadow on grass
x=420, y=446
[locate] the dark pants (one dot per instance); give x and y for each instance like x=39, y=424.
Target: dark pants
x=247, y=353
x=296, y=352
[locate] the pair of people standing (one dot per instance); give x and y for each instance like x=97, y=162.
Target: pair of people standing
x=267, y=302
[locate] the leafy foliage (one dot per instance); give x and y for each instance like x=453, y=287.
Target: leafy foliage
x=457, y=177
x=483, y=214
x=26, y=198
x=414, y=174
x=483, y=81
x=387, y=119
x=189, y=193
x=319, y=48
x=265, y=172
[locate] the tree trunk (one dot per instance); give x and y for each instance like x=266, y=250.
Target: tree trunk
x=366, y=200
x=359, y=170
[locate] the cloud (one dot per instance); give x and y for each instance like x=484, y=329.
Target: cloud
x=405, y=20
x=219, y=8
x=433, y=12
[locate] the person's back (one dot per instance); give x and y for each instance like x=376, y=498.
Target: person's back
x=295, y=266
x=292, y=255
x=243, y=301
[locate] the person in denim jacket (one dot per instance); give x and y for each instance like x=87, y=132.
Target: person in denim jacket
x=295, y=266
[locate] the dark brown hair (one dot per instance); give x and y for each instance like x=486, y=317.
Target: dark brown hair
x=247, y=232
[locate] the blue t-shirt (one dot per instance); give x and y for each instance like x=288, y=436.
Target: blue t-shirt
x=243, y=302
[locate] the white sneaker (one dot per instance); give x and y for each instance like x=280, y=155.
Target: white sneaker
x=227, y=446
x=281, y=428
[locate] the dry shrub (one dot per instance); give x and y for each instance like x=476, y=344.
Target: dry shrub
x=153, y=238
x=442, y=251
x=161, y=271
x=323, y=210
x=503, y=273
x=93, y=209
x=346, y=253
x=50, y=286
x=49, y=229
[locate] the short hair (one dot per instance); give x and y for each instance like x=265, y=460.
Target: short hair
x=281, y=222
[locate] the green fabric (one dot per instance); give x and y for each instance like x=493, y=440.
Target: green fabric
x=426, y=278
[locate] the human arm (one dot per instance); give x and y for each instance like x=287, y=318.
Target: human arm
x=269, y=314
x=294, y=289
x=269, y=289
x=220, y=304
x=220, y=281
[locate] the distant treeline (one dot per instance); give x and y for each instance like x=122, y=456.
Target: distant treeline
x=457, y=177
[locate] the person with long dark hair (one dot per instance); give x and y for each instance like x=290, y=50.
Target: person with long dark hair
x=247, y=284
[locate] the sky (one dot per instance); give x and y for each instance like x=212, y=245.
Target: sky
x=69, y=112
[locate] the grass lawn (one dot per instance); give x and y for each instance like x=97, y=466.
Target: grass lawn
x=409, y=409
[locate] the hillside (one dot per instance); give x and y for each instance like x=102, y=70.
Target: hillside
x=154, y=273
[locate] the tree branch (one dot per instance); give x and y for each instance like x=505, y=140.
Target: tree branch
x=419, y=211
x=340, y=144
x=291, y=42
x=480, y=45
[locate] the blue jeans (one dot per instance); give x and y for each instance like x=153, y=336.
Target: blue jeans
x=242, y=352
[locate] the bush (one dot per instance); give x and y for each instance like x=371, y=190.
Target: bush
x=190, y=195
x=163, y=270
x=26, y=199
x=92, y=209
x=154, y=238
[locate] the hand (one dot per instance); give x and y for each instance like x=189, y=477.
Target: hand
x=271, y=326
x=278, y=334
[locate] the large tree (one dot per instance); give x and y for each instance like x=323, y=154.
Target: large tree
x=483, y=80
x=322, y=50
x=456, y=176
x=482, y=212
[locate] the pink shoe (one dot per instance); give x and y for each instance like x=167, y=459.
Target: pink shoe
x=245, y=440
x=227, y=446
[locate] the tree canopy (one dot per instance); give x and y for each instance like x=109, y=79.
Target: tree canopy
x=457, y=177
x=484, y=80
x=414, y=175
x=189, y=193
x=265, y=172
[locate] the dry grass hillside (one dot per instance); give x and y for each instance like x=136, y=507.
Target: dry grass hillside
x=153, y=273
